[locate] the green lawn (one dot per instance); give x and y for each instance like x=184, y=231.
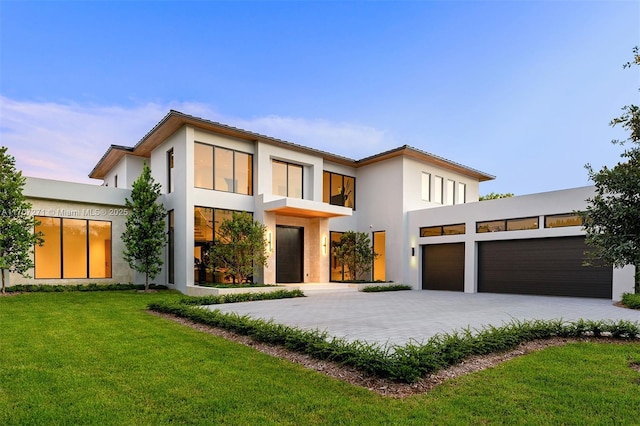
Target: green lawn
x=99, y=358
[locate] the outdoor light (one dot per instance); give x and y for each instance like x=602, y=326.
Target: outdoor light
x=413, y=251
x=269, y=246
x=324, y=245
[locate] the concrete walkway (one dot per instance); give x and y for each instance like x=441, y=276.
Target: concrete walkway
x=397, y=317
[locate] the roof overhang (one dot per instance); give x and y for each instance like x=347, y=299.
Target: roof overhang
x=297, y=207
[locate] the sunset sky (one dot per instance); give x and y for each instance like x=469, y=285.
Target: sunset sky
x=523, y=90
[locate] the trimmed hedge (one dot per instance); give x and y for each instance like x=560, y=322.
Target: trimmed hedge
x=240, y=297
x=379, y=288
x=631, y=300
x=408, y=363
x=45, y=288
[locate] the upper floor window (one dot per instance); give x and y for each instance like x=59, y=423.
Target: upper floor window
x=170, y=183
x=286, y=179
x=462, y=193
x=223, y=169
x=426, y=186
x=339, y=190
x=438, y=183
x=450, y=192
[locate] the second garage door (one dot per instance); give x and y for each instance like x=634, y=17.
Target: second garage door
x=544, y=266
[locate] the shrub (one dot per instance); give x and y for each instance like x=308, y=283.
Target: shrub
x=379, y=288
x=631, y=300
x=45, y=288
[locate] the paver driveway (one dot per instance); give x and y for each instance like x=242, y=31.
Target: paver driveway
x=396, y=317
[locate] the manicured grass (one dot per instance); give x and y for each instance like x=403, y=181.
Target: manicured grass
x=99, y=358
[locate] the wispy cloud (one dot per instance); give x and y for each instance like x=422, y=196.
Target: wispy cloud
x=65, y=140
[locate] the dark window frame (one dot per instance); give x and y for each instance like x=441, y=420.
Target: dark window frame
x=233, y=168
x=287, y=164
x=331, y=174
x=558, y=216
x=442, y=229
x=88, y=247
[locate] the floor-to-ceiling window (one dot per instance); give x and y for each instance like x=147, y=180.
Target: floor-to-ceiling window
x=379, y=263
x=73, y=248
x=171, y=246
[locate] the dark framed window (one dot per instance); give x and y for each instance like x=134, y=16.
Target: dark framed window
x=287, y=179
x=73, y=248
x=562, y=220
x=206, y=223
x=339, y=190
x=171, y=246
x=517, y=224
x=436, y=231
x=170, y=183
x=223, y=169
x=336, y=272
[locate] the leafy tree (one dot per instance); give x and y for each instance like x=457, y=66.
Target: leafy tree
x=239, y=247
x=354, y=252
x=17, y=236
x=144, y=235
x=612, y=217
x=495, y=196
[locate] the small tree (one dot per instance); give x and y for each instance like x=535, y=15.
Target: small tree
x=612, y=217
x=144, y=235
x=354, y=252
x=239, y=247
x=495, y=196
x=17, y=236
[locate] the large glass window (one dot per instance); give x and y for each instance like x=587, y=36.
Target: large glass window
x=337, y=271
x=223, y=169
x=286, y=179
x=562, y=220
x=203, y=166
x=426, y=186
x=437, y=189
x=73, y=248
x=207, y=222
x=339, y=190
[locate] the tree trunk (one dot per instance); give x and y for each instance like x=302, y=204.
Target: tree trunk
x=3, y=281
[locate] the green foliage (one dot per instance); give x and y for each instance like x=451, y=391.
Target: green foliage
x=408, y=363
x=495, y=196
x=17, y=236
x=239, y=247
x=240, y=297
x=145, y=235
x=631, y=300
x=379, y=288
x=354, y=253
x=612, y=217
x=60, y=288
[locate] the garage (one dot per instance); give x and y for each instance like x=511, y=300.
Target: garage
x=543, y=266
x=443, y=267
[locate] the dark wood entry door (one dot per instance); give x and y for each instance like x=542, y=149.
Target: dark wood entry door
x=289, y=254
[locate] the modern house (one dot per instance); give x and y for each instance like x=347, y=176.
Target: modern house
x=421, y=211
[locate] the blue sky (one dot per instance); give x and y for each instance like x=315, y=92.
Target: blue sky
x=523, y=90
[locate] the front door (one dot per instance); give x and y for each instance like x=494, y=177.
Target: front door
x=289, y=254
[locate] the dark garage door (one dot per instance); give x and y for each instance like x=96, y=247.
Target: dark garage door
x=546, y=266
x=443, y=267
